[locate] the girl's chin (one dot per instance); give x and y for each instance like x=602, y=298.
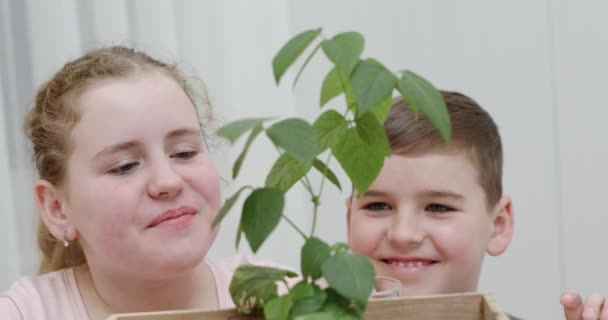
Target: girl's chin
x=175, y=261
x=169, y=269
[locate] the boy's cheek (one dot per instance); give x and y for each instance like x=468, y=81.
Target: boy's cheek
x=364, y=236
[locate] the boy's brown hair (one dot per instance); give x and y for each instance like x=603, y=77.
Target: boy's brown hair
x=473, y=131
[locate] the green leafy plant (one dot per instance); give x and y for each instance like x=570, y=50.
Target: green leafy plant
x=335, y=283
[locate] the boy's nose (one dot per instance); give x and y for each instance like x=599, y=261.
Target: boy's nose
x=164, y=182
x=405, y=229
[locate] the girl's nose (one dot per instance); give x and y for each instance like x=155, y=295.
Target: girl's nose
x=164, y=182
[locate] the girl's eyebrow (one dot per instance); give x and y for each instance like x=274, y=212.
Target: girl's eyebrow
x=128, y=145
x=123, y=146
x=184, y=132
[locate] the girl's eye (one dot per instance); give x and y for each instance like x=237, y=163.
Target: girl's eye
x=377, y=206
x=184, y=155
x=125, y=168
x=438, y=208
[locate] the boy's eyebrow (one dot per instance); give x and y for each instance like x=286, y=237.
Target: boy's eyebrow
x=115, y=148
x=375, y=193
x=440, y=194
x=423, y=194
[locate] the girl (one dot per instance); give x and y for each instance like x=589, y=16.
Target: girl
x=126, y=196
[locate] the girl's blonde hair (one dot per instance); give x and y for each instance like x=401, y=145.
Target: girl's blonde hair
x=54, y=114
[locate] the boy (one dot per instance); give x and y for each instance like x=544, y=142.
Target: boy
x=436, y=209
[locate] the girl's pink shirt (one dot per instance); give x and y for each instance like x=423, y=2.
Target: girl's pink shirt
x=56, y=295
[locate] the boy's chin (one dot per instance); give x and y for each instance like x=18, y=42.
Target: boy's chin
x=420, y=280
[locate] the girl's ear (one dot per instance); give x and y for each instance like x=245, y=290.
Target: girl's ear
x=53, y=210
x=502, y=227
x=348, y=202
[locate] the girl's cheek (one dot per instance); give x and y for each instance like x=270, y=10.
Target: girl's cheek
x=113, y=231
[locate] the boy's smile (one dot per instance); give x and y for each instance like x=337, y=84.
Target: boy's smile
x=426, y=222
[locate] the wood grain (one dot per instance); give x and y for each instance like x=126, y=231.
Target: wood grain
x=470, y=306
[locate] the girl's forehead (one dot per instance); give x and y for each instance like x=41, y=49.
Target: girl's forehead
x=120, y=111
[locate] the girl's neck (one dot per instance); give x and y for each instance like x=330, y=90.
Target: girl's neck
x=104, y=294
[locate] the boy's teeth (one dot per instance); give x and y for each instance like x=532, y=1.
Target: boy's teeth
x=411, y=264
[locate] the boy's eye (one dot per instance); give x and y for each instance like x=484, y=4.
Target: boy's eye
x=377, y=206
x=124, y=169
x=184, y=155
x=438, y=208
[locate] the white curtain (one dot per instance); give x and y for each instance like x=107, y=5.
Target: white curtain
x=228, y=44
x=8, y=232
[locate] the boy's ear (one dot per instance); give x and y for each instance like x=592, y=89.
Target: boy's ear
x=52, y=209
x=502, y=227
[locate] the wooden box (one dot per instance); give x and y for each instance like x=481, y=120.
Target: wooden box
x=470, y=306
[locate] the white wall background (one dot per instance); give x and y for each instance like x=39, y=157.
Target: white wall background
x=539, y=67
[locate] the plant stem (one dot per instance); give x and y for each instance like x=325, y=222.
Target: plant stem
x=307, y=186
x=312, y=194
x=318, y=196
x=315, y=199
x=323, y=179
x=294, y=226
x=314, y=218
x=306, y=63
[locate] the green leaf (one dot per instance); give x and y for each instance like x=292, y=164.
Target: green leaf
x=239, y=234
x=261, y=214
x=382, y=109
x=296, y=137
x=372, y=132
x=314, y=253
x=340, y=307
x=278, y=308
x=227, y=206
x=316, y=316
x=325, y=171
x=331, y=87
x=361, y=151
x=309, y=304
x=285, y=172
x=236, y=168
x=328, y=128
x=252, y=286
x=350, y=275
x=339, y=246
x=335, y=302
x=306, y=62
x=291, y=51
x=233, y=130
x=422, y=95
x=302, y=290
x=344, y=50
x=348, y=92
x=371, y=83
x=350, y=316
